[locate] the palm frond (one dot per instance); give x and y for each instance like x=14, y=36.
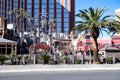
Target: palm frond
x=118, y=17
x=106, y=17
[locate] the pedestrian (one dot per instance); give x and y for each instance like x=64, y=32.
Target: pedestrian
x=101, y=59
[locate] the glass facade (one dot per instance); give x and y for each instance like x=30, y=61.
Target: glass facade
x=60, y=10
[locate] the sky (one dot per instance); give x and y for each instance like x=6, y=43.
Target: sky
x=111, y=5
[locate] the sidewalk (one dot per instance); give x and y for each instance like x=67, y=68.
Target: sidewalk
x=61, y=67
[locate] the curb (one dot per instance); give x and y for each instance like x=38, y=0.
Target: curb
x=35, y=68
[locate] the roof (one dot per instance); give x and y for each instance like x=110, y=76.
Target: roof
x=4, y=41
x=104, y=41
x=110, y=48
x=116, y=42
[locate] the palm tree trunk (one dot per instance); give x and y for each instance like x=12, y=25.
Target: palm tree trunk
x=95, y=51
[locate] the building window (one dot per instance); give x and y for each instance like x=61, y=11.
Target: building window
x=44, y=1
x=66, y=30
x=58, y=15
x=51, y=10
x=51, y=1
x=59, y=5
x=58, y=20
x=66, y=25
x=51, y=6
x=44, y=6
x=36, y=1
x=36, y=5
x=66, y=19
x=3, y=8
x=58, y=0
x=66, y=4
x=59, y=11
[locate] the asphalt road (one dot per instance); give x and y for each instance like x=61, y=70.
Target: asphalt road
x=63, y=75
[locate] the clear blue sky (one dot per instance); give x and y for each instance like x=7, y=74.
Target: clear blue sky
x=111, y=5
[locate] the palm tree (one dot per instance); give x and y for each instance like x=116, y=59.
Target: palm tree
x=92, y=22
x=114, y=26
x=19, y=14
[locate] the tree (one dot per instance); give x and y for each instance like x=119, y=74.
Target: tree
x=92, y=22
x=114, y=26
x=19, y=14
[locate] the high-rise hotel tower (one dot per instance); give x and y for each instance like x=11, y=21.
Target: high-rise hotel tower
x=62, y=11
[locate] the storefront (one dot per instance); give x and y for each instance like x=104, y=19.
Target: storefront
x=6, y=45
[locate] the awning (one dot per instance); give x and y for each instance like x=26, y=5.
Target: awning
x=7, y=42
x=116, y=42
x=4, y=41
x=114, y=49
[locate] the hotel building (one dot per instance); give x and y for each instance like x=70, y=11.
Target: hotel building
x=62, y=11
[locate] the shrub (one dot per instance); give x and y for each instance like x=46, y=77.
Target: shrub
x=109, y=60
x=56, y=61
x=63, y=59
x=2, y=59
x=19, y=57
x=45, y=58
x=77, y=61
x=13, y=57
x=26, y=57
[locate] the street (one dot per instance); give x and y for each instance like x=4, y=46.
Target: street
x=63, y=75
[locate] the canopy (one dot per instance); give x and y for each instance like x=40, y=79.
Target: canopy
x=7, y=42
